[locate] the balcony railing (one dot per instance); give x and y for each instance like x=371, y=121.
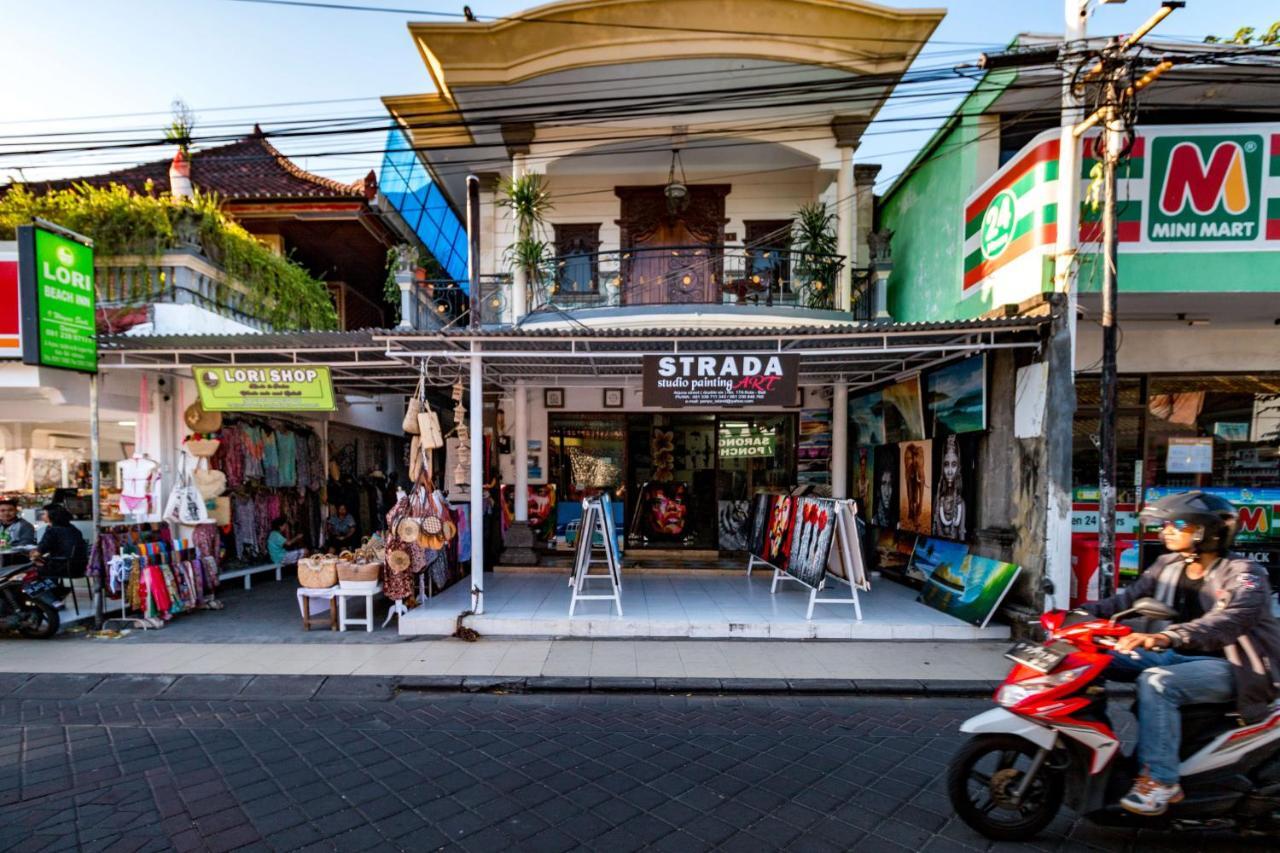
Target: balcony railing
x=688, y=275
x=178, y=278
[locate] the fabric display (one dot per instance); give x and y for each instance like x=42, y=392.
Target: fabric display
x=127, y=539
x=160, y=579
x=263, y=469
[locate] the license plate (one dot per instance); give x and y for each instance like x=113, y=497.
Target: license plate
x=39, y=586
x=1039, y=657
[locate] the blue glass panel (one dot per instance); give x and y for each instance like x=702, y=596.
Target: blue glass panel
x=408, y=187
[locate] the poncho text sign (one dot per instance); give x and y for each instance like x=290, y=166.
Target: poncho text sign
x=674, y=381
x=265, y=388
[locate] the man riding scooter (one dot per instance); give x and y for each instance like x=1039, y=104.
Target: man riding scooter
x=1224, y=644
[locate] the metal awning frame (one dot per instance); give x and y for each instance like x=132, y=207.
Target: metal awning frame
x=389, y=362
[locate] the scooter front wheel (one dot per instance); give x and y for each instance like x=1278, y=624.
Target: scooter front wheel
x=982, y=782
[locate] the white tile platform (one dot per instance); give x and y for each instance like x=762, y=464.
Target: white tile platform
x=713, y=606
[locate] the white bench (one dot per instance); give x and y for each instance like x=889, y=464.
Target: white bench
x=248, y=572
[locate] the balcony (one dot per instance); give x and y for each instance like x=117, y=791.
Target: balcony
x=780, y=278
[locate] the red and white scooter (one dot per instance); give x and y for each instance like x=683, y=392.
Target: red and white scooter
x=1051, y=741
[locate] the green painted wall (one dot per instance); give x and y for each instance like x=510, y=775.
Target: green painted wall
x=925, y=212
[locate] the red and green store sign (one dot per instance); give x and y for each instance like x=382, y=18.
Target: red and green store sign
x=1207, y=189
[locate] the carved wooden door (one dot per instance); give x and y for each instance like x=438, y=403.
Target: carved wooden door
x=671, y=257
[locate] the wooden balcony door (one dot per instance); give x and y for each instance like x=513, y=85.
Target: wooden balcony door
x=671, y=258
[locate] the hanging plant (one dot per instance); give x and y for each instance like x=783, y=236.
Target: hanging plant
x=124, y=223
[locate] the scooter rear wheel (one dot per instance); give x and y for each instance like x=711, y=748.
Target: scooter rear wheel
x=39, y=619
x=981, y=781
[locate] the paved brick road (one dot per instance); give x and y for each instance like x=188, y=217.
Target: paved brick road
x=284, y=763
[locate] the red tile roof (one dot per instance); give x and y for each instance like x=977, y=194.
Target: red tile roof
x=251, y=168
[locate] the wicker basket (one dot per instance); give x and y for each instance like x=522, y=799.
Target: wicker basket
x=358, y=575
x=319, y=573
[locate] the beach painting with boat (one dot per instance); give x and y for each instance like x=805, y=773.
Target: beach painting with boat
x=961, y=584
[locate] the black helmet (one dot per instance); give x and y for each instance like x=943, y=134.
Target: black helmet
x=1216, y=517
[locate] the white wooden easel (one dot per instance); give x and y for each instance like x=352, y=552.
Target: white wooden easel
x=593, y=522
x=845, y=553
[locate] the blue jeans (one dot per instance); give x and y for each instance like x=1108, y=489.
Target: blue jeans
x=1166, y=681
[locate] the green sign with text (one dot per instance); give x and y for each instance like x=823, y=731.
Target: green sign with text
x=265, y=388
x=58, y=307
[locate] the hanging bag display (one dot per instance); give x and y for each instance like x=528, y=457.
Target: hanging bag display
x=186, y=504
x=429, y=429
x=209, y=482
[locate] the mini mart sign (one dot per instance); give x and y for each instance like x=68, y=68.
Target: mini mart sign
x=1183, y=188
x=265, y=388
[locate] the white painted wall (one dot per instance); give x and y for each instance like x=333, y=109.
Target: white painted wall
x=1178, y=348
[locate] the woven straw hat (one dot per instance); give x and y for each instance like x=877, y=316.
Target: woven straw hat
x=199, y=420
x=408, y=529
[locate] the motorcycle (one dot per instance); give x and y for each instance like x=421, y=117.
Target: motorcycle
x=1051, y=741
x=28, y=602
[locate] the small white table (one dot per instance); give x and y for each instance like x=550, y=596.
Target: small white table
x=309, y=598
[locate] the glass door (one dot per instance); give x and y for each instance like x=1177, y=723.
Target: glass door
x=753, y=453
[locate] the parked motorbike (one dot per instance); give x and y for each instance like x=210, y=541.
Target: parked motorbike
x=28, y=602
x=1051, y=740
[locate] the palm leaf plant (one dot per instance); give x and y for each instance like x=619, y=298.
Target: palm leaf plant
x=814, y=243
x=527, y=201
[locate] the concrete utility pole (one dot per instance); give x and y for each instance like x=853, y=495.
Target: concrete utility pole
x=1109, y=72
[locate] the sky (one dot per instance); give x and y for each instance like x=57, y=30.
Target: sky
x=116, y=65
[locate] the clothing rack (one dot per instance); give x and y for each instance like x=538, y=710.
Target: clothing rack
x=162, y=574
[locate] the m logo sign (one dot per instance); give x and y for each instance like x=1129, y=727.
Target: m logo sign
x=1206, y=188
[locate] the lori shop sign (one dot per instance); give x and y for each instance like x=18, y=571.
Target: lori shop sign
x=265, y=388
x=673, y=381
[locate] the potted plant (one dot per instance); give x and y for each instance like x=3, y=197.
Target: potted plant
x=817, y=268
x=527, y=202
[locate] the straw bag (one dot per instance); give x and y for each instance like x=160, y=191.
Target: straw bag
x=318, y=572
x=202, y=447
x=198, y=419
x=429, y=429
x=398, y=558
x=209, y=483
x=220, y=511
x=414, y=407
x=415, y=459
x=353, y=575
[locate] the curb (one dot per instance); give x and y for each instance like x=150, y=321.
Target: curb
x=338, y=688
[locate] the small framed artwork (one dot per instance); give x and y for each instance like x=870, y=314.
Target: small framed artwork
x=553, y=398
x=613, y=398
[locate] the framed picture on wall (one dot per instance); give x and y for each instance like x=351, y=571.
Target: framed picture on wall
x=553, y=398
x=613, y=398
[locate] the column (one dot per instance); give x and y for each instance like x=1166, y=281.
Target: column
x=521, y=440
x=840, y=440
x=476, y=414
x=518, y=137
x=847, y=131
x=405, y=261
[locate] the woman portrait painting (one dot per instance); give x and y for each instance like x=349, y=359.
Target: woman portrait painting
x=949, y=507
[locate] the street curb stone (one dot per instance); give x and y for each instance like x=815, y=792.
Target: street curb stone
x=133, y=686
x=282, y=687
x=206, y=686
x=11, y=681
x=484, y=683
x=50, y=685
x=362, y=687
x=611, y=684
x=451, y=683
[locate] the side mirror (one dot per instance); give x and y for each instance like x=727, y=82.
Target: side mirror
x=1153, y=608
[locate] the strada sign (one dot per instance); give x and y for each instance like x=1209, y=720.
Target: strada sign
x=673, y=381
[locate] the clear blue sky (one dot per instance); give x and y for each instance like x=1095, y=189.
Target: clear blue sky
x=67, y=63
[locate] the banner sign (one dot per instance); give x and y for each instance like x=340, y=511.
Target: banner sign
x=673, y=381
x=265, y=388
x=737, y=442
x=10, y=304
x=55, y=283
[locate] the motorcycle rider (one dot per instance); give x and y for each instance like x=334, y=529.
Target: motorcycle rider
x=1224, y=644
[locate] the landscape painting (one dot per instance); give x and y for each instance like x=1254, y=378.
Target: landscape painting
x=957, y=396
x=866, y=420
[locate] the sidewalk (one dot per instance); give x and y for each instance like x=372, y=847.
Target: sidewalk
x=788, y=662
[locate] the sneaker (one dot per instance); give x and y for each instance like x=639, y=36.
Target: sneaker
x=1149, y=797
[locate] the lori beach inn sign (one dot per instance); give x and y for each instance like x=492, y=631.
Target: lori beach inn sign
x=1183, y=188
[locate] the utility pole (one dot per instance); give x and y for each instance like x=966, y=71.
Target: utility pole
x=1110, y=70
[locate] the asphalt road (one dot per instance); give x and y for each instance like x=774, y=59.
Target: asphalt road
x=287, y=763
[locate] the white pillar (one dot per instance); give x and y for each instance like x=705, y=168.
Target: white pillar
x=476, y=413
x=844, y=227
x=522, y=452
x=840, y=440
x=520, y=280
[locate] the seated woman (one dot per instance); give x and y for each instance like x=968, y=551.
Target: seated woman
x=282, y=546
x=62, y=551
x=341, y=529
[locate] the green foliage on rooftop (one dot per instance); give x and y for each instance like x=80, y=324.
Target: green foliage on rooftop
x=124, y=223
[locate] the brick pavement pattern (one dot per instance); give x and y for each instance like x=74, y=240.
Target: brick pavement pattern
x=142, y=763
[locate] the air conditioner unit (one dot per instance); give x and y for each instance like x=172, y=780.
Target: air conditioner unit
x=62, y=441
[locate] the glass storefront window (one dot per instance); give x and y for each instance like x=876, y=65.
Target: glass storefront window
x=587, y=456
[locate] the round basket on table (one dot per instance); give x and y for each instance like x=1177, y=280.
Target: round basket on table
x=317, y=573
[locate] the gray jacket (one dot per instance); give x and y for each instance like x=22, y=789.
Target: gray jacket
x=1237, y=621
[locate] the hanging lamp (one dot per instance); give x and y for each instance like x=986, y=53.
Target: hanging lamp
x=676, y=191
